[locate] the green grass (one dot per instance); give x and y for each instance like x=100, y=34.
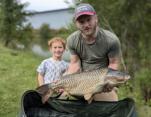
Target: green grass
x=18, y=74
x=143, y=110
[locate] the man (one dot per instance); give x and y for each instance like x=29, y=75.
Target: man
x=92, y=47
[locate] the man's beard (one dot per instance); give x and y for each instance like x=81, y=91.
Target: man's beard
x=91, y=32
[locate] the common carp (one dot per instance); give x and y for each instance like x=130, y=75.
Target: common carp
x=84, y=84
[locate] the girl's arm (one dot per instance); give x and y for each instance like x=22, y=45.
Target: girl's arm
x=40, y=79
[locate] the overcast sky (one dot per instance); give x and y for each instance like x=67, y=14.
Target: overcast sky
x=44, y=5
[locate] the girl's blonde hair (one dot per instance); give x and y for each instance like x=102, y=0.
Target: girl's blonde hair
x=57, y=39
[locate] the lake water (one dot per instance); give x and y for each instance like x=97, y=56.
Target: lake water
x=37, y=49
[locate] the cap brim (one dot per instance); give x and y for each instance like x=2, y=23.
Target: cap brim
x=84, y=13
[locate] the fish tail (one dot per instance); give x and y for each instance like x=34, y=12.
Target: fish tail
x=43, y=89
x=47, y=95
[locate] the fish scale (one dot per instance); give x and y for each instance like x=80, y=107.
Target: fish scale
x=79, y=84
x=85, y=83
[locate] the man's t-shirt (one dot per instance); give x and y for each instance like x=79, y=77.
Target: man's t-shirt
x=96, y=55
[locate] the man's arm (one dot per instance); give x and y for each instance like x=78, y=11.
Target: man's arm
x=114, y=53
x=114, y=63
x=74, y=65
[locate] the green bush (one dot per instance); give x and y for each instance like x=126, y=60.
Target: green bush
x=44, y=32
x=143, y=81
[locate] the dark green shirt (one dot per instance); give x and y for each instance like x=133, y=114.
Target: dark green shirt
x=96, y=55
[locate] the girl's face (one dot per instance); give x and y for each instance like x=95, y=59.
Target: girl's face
x=57, y=50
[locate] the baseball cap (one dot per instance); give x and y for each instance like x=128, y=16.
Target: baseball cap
x=83, y=9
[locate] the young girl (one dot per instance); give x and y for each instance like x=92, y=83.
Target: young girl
x=52, y=68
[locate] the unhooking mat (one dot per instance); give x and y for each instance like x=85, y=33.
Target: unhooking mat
x=31, y=106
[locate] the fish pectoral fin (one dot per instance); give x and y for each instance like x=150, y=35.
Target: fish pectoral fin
x=65, y=94
x=97, y=89
x=114, y=84
x=46, y=96
x=88, y=96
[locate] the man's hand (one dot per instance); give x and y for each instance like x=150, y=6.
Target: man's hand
x=60, y=90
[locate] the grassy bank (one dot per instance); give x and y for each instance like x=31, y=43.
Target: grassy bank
x=17, y=71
